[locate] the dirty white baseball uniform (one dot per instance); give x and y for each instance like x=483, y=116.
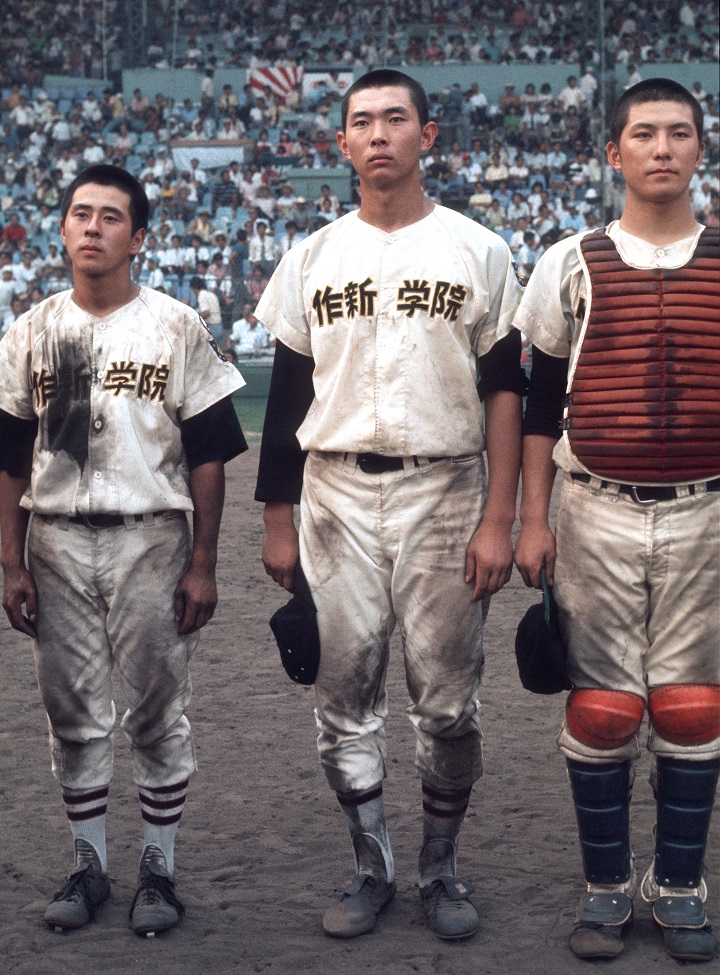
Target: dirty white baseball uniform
x=637, y=585
x=110, y=394
x=394, y=323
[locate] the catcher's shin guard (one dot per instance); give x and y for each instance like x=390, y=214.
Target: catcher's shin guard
x=685, y=796
x=674, y=884
x=602, y=805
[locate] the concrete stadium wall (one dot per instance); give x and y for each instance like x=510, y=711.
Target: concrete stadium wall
x=181, y=83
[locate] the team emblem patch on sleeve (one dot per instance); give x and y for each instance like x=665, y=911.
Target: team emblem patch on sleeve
x=518, y=276
x=212, y=341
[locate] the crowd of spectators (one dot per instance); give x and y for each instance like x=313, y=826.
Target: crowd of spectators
x=88, y=39
x=526, y=164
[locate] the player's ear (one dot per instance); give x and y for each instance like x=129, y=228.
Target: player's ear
x=342, y=144
x=137, y=241
x=613, y=156
x=699, y=158
x=428, y=136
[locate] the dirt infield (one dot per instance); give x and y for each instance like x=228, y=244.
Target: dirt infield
x=262, y=843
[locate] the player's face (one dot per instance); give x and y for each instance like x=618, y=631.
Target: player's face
x=659, y=151
x=383, y=138
x=97, y=231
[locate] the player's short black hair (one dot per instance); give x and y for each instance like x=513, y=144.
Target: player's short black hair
x=106, y=175
x=388, y=78
x=652, y=90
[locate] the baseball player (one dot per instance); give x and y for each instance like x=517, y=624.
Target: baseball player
x=115, y=420
x=626, y=359
x=380, y=318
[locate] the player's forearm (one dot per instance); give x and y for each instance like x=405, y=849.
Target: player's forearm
x=207, y=490
x=538, y=478
x=278, y=516
x=13, y=520
x=503, y=439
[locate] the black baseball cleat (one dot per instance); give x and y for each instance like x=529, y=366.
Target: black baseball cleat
x=155, y=906
x=85, y=889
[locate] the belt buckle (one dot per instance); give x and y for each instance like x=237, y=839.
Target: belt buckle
x=102, y=522
x=638, y=500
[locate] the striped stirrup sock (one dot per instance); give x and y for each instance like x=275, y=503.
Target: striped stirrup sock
x=443, y=815
x=161, y=811
x=364, y=813
x=86, y=810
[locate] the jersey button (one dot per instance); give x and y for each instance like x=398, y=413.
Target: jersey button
x=97, y=475
x=98, y=424
x=100, y=374
x=660, y=252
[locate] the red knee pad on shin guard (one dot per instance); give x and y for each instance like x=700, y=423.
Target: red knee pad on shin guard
x=686, y=714
x=603, y=719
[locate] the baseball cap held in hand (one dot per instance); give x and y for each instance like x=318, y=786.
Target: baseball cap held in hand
x=296, y=632
x=539, y=648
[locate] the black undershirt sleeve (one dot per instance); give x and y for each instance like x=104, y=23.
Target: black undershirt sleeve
x=213, y=434
x=282, y=461
x=17, y=438
x=500, y=367
x=548, y=382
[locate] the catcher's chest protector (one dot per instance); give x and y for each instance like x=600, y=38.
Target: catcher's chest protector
x=643, y=404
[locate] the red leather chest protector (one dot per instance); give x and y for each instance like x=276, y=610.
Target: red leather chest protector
x=643, y=404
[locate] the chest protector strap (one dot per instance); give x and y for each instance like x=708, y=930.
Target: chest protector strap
x=643, y=403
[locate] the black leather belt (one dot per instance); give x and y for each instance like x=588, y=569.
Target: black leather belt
x=98, y=521
x=380, y=464
x=649, y=493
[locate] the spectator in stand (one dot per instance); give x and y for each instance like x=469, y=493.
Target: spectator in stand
x=262, y=254
x=14, y=233
x=248, y=335
x=224, y=193
x=202, y=227
x=208, y=307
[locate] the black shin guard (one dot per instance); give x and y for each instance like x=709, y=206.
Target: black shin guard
x=602, y=806
x=685, y=796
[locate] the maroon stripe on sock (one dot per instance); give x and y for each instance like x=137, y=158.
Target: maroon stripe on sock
x=161, y=820
x=78, y=817
x=359, y=799
x=444, y=813
x=441, y=795
x=159, y=804
x=167, y=788
x=71, y=799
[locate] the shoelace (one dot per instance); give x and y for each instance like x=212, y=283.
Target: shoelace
x=156, y=889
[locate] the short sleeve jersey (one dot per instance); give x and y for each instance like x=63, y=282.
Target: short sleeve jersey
x=109, y=395
x=394, y=323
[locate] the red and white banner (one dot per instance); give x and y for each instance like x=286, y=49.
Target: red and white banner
x=281, y=81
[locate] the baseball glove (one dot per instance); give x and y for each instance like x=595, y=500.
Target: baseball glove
x=539, y=648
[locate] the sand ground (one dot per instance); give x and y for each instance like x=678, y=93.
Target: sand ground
x=262, y=844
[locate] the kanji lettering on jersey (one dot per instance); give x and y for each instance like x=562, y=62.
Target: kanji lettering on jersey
x=359, y=300
x=121, y=376
x=328, y=304
x=152, y=382
x=414, y=296
x=44, y=386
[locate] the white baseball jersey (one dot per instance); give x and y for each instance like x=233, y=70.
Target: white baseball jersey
x=394, y=322
x=110, y=394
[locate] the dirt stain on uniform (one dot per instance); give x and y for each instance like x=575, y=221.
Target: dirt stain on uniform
x=66, y=424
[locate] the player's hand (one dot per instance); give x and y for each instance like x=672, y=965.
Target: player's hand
x=535, y=548
x=18, y=591
x=196, y=597
x=488, y=559
x=280, y=554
